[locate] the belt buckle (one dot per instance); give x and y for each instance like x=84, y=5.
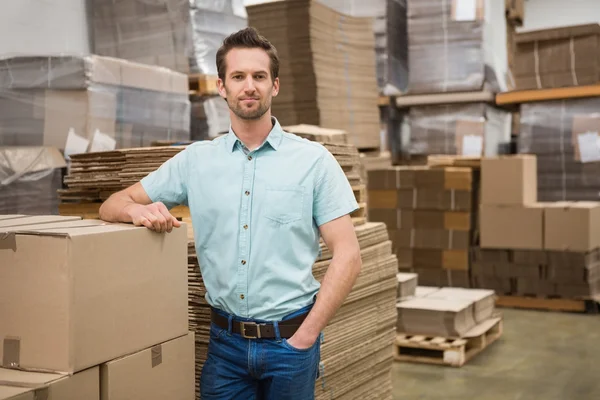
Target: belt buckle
x=243, y=330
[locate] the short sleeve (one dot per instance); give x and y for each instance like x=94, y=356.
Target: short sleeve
x=333, y=196
x=169, y=183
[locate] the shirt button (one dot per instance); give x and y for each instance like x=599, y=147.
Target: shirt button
x=243, y=262
x=245, y=226
x=242, y=296
x=249, y=158
x=247, y=193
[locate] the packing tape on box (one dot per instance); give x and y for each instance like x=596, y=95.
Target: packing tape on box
x=452, y=199
x=11, y=352
x=414, y=199
x=156, y=355
x=412, y=238
x=398, y=218
x=572, y=50
x=450, y=239
x=449, y=277
x=536, y=59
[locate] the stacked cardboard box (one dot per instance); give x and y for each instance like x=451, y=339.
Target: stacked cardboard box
x=80, y=103
x=391, y=42
x=30, y=178
x=182, y=35
x=551, y=58
x=471, y=129
x=445, y=312
x=562, y=134
x=114, y=319
x=428, y=214
x=456, y=45
x=528, y=247
x=328, y=76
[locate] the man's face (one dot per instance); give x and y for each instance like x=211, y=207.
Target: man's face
x=248, y=87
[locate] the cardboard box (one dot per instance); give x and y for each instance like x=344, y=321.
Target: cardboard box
x=512, y=227
x=21, y=385
x=509, y=180
x=446, y=259
x=99, y=291
x=572, y=226
x=165, y=371
x=434, y=199
x=444, y=178
x=557, y=57
x=439, y=239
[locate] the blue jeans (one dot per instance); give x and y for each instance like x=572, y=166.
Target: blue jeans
x=258, y=369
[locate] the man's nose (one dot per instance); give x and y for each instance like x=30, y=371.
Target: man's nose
x=249, y=87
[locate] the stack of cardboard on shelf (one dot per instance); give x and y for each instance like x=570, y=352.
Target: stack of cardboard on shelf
x=563, y=136
x=114, y=319
x=559, y=57
x=445, y=312
x=529, y=247
x=327, y=67
x=428, y=214
x=90, y=103
x=456, y=45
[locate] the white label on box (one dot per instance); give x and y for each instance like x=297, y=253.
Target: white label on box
x=466, y=10
x=589, y=150
x=472, y=145
x=102, y=142
x=75, y=144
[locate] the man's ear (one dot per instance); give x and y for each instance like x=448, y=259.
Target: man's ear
x=221, y=88
x=275, y=90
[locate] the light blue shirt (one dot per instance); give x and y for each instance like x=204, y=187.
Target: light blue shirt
x=256, y=217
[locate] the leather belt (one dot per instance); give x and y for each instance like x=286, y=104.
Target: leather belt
x=253, y=330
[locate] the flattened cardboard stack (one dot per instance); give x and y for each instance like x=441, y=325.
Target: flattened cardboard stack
x=472, y=129
x=81, y=103
x=407, y=284
x=182, y=35
x=533, y=248
x=354, y=359
x=115, y=321
x=552, y=58
x=456, y=45
x=29, y=179
x=328, y=76
x=445, y=312
x=94, y=177
x=557, y=132
x=428, y=212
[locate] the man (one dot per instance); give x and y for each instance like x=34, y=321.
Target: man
x=259, y=198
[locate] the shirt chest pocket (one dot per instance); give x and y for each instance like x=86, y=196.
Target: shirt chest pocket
x=284, y=204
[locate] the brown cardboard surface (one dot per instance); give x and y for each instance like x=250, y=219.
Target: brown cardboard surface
x=512, y=227
x=165, y=371
x=34, y=220
x=34, y=385
x=99, y=291
x=434, y=199
x=509, y=180
x=439, y=239
x=572, y=226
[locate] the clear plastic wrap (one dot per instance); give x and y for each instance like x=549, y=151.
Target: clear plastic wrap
x=210, y=117
x=442, y=129
x=42, y=99
x=551, y=130
x=183, y=35
x=455, y=47
x=29, y=180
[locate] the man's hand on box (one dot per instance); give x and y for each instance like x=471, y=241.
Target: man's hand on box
x=153, y=216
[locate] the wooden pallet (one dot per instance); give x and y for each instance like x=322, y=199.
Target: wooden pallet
x=444, y=351
x=203, y=85
x=549, y=304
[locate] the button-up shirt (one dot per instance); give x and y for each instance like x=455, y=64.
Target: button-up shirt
x=256, y=216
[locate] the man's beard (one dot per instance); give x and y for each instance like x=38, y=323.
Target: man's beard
x=249, y=114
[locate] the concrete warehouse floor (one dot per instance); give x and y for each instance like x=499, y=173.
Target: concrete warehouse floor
x=541, y=356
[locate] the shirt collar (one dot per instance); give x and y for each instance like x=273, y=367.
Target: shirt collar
x=273, y=139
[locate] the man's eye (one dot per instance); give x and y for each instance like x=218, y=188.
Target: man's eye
x=237, y=77
x=259, y=77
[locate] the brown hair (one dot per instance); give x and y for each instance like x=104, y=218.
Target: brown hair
x=247, y=38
